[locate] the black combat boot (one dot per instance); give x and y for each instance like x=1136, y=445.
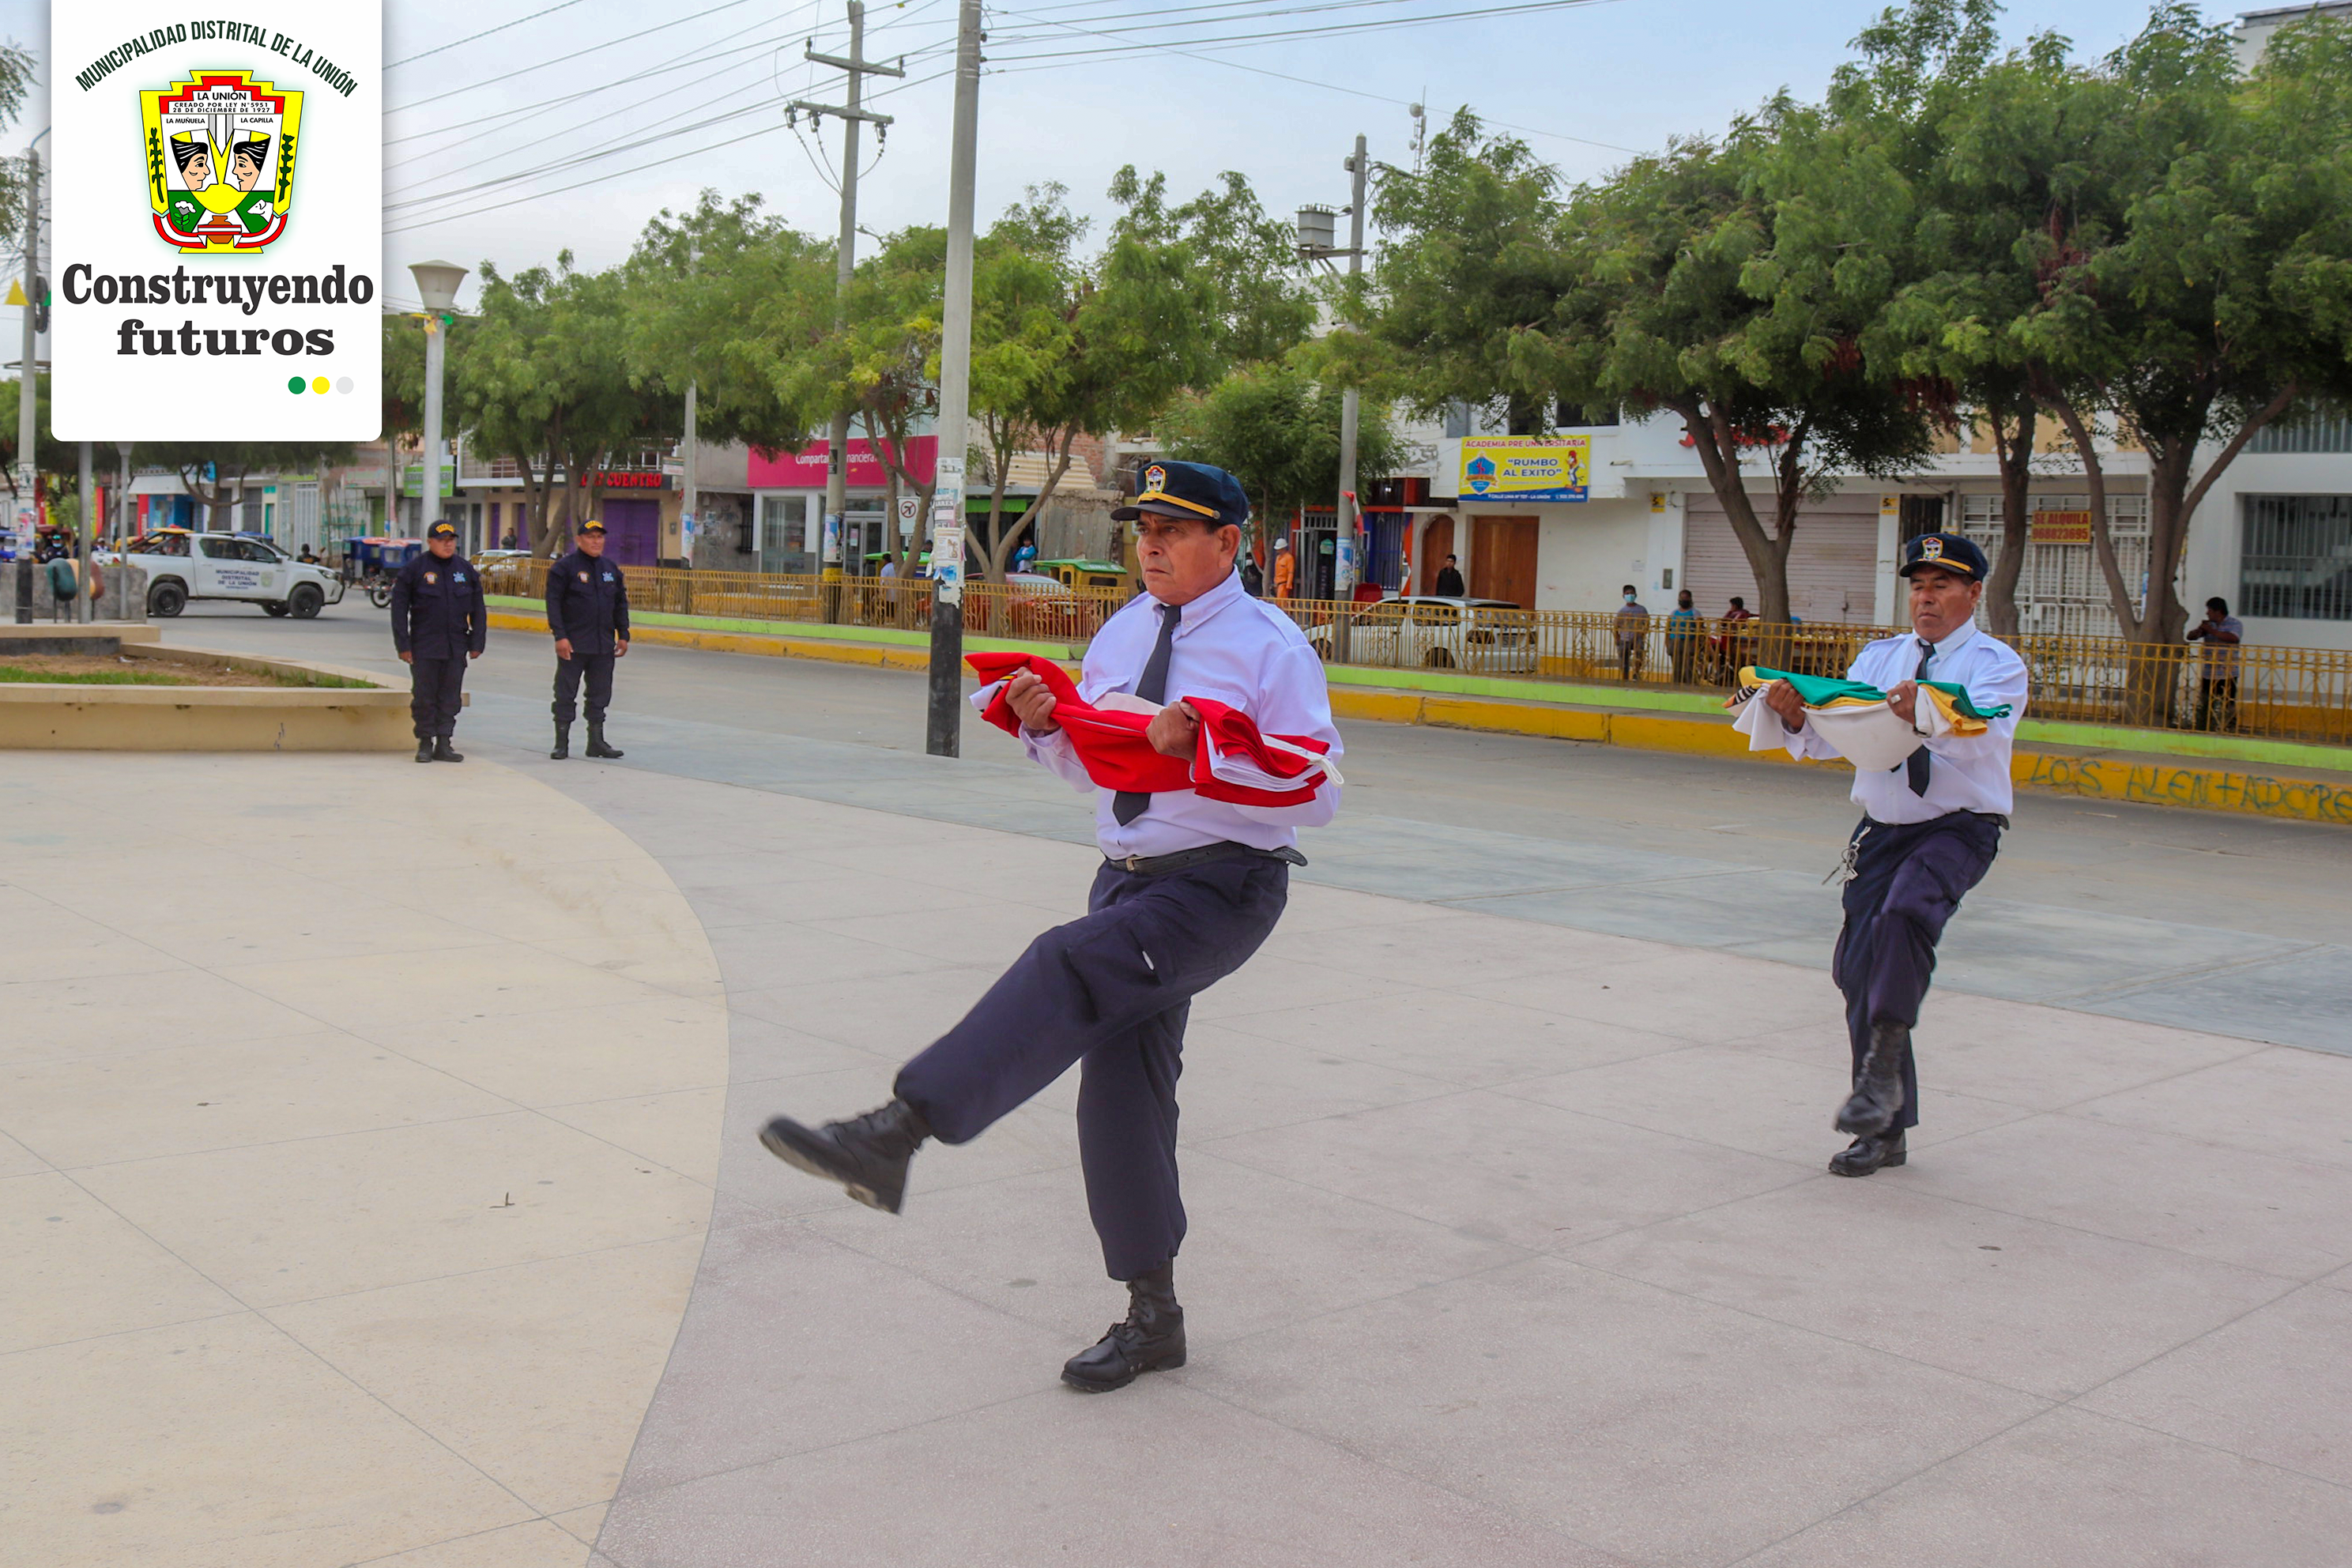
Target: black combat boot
x=563, y=743
x=1877, y=1097
x=443, y=752
x=867, y=1154
x=597, y=747
x=1151, y=1340
x=425, y=750
x=1867, y=1154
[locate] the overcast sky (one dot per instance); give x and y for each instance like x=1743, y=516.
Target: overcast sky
x=1586, y=82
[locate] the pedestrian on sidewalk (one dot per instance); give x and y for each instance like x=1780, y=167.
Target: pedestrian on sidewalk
x=1682, y=639
x=1449, y=581
x=439, y=624
x=1930, y=828
x=1188, y=889
x=1632, y=625
x=588, y=616
x=2216, y=689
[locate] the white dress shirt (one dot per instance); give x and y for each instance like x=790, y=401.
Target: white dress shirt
x=1234, y=649
x=1966, y=773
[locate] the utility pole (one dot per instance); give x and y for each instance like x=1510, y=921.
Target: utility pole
x=1343, y=558
x=690, y=510
x=85, y=503
x=836, y=452
x=942, y=730
x=27, y=521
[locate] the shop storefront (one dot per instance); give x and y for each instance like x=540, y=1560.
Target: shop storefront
x=788, y=493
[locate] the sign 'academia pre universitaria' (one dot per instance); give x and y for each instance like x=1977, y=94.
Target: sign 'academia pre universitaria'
x=1525, y=467
x=218, y=203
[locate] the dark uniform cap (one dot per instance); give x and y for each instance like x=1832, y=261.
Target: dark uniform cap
x=442, y=530
x=1950, y=552
x=592, y=526
x=1189, y=489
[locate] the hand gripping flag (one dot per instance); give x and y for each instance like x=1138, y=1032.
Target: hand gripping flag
x=1234, y=763
x=1854, y=717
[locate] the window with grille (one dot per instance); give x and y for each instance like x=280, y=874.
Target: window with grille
x=2294, y=560
x=2315, y=429
x=2060, y=588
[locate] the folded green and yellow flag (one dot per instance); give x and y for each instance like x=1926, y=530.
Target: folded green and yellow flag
x=1854, y=717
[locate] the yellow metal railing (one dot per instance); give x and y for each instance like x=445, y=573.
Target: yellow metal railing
x=2279, y=693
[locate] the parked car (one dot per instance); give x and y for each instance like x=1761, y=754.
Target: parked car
x=1491, y=635
x=182, y=566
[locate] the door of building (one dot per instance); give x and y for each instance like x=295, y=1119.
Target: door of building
x=1503, y=560
x=1832, y=566
x=1437, y=544
x=633, y=531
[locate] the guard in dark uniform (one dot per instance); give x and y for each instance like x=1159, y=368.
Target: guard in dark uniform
x=1188, y=888
x=588, y=616
x=1929, y=830
x=438, y=623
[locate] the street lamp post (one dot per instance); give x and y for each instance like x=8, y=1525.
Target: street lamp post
x=437, y=284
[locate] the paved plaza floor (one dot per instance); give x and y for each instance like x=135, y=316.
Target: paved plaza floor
x=378, y=1186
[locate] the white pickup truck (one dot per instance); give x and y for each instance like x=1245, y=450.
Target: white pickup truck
x=182, y=566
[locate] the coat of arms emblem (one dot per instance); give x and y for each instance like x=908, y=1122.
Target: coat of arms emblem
x=220, y=160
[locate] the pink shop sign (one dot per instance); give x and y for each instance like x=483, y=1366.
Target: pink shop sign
x=804, y=469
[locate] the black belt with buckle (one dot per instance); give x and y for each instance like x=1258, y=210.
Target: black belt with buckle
x=1158, y=865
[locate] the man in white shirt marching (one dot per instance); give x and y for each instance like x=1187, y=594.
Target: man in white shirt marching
x=1188, y=889
x=1929, y=830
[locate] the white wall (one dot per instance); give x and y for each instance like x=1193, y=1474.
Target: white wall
x=1585, y=553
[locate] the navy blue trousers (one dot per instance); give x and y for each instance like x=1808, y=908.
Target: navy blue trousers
x=1111, y=992
x=436, y=690
x=1907, y=881
x=598, y=669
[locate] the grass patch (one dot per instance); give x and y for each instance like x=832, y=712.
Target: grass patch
x=18, y=675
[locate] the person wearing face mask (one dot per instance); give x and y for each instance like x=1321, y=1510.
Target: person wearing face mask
x=1682, y=639
x=1632, y=635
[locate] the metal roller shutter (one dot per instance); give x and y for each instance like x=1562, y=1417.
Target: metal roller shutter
x=1833, y=568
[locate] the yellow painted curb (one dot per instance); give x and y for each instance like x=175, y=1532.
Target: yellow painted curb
x=2206, y=787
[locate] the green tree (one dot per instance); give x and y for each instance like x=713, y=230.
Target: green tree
x=545, y=383
x=2210, y=299
x=1277, y=430
x=1729, y=283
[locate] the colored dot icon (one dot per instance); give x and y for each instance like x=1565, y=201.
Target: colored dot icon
x=318, y=384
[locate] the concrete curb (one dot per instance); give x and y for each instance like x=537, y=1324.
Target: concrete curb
x=2090, y=774
x=70, y=718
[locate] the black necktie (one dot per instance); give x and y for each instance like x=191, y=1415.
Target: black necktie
x=1129, y=803
x=1916, y=765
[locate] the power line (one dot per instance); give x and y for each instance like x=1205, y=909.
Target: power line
x=502, y=26
x=1303, y=81
x=1289, y=34
x=560, y=59
x=671, y=158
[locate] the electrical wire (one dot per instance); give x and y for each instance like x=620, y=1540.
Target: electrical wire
x=1017, y=69
x=700, y=55
x=671, y=158
x=1291, y=35
x=576, y=54
x=502, y=26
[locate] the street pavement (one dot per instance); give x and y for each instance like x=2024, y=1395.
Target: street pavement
x=2203, y=920
x=379, y=1174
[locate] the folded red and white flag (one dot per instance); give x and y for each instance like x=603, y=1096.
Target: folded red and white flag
x=1234, y=763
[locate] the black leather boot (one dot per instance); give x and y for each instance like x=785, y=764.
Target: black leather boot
x=867, y=1154
x=1867, y=1154
x=1151, y=1340
x=443, y=752
x=563, y=743
x=1877, y=1097
x=425, y=750
x=596, y=746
